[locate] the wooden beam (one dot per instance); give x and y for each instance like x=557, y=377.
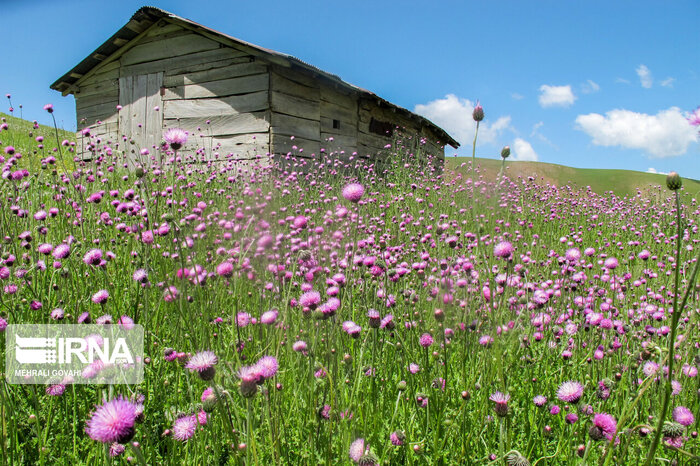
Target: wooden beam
x=115, y=55
x=119, y=41
x=76, y=75
x=99, y=56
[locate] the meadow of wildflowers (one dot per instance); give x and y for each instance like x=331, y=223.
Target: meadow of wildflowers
x=331, y=312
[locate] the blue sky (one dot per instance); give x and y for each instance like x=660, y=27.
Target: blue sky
x=595, y=84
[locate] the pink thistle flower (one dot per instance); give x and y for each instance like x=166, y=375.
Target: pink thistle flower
x=611, y=263
x=267, y=366
x=203, y=363
x=310, y=299
x=604, y=425
x=269, y=317
x=55, y=390
x=353, y=192
x=397, y=438
x=570, y=392
x=48, y=108
x=175, y=137
x=426, y=340
x=225, y=269
x=116, y=449
x=694, y=118
x=504, y=250
x=113, y=421
x=683, y=416
x=61, y=251
x=100, y=297
x=501, y=403
x=357, y=449
x=299, y=346
x=184, y=428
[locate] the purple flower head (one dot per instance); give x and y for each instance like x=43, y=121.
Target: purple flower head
x=501, y=403
x=504, y=250
x=100, y=297
x=175, y=137
x=113, y=421
x=683, y=416
x=267, y=366
x=310, y=299
x=269, y=317
x=184, y=427
x=604, y=425
x=203, y=363
x=48, y=108
x=570, y=392
x=694, y=118
x=426, y=340
x=611, y=263
x=357, y=449
x=93, y=257
x=353, y=192
x=61, y=251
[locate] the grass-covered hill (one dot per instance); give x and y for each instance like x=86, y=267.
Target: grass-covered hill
x=621, y=182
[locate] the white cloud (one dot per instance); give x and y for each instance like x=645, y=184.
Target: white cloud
x=535, y=133
x=561, y=96
x=653, y=170
x=517, y=96
x=523, y=151
x=622, y=80
x=590, y=87
x=454, y=115
x=666, y=134
x=644, y=76
x=668, y=82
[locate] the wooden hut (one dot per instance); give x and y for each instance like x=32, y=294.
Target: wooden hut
x=161, y=71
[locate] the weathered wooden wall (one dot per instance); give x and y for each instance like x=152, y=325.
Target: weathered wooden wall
x=232, y=100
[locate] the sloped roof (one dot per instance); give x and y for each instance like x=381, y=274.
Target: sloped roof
x=147, y=16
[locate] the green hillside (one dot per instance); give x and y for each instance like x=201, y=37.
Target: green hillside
x=621, y=182
x=22, y=135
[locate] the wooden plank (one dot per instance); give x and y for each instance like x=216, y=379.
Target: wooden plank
x=96, y=98
x=126, y=85
x=294, y=126
x=183, y=63
x=345, y=128
x=226, y=72
x=241, y=123
x=166, y=48
x=283, y=144
x=343, y=97
x=295, y=106
x=373, y=140
x=154, y=118
x=245, y=145
x=280, y=83
x=98, y=88
x=162, y=29
x=339, y=142
x=220, y=88
x=338, y=112
x=253, y=102
x=96, y=112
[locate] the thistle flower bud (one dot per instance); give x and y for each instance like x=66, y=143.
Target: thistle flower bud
x=674, y=181
x=478, y=113
x=505, y=152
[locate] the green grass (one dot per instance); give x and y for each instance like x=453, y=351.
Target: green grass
x=621, y=182
x=22, y=135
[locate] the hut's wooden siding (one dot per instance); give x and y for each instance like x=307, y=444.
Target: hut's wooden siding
x=231, y=100
x=296, y=112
